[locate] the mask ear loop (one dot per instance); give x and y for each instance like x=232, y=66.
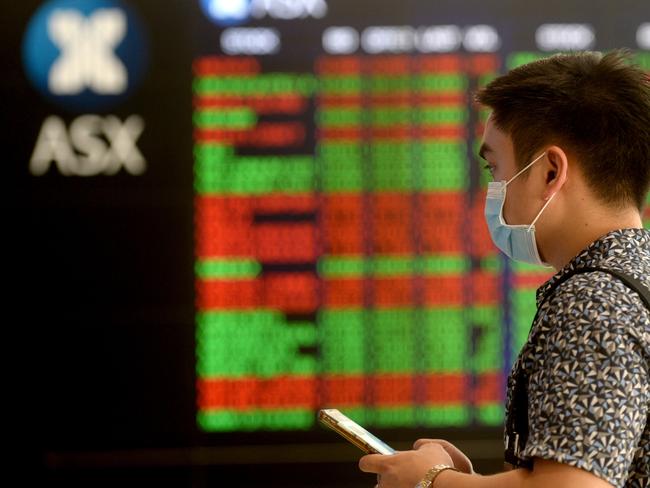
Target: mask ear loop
x=526, y=167
x=540, y=212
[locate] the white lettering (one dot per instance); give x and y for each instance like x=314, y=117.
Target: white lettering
x=569, y=37
x=123, y=151
x=52, y=145
x=289, y=9
x=250, y=40
x=429, y=39
x=643, y=35
x=340, y=40
x=481, y=38
x=85, y=136
x=93, y=145
x=390, y=39
x=438, y=38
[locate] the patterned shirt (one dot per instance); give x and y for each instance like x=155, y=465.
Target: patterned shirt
x=587, y=361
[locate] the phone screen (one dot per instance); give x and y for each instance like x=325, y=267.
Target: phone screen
x=353, y=432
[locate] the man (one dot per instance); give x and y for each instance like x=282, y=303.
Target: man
x=568, y=142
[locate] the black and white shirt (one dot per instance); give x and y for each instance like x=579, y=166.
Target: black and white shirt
x=587, y=360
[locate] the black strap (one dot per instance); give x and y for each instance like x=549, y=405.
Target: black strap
x=517, y=415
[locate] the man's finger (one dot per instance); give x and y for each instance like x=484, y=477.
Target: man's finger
x=372, y=463
x=420, y=442
x=461, y=461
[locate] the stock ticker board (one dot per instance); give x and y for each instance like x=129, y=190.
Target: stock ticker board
x=342, y=259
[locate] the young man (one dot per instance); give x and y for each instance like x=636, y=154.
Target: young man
x=568, y=143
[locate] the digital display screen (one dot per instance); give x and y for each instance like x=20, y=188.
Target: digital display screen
x=227, y=215
x=342, y=258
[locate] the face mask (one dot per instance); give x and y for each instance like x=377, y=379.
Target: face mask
x=516, y=241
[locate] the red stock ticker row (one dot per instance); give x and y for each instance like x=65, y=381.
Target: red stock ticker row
x=391, y=64
x=293, y=134
x=305, y=292
x=346, y=391
x=226, y=228
x=345, y=224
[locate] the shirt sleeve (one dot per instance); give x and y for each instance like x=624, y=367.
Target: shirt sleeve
x=588, y=396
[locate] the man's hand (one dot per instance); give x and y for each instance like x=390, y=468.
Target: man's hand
x=405, y=469
x=461, y=461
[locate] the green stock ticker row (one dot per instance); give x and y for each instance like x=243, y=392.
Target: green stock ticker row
x=230, y=342
x=337, y=166
x=240, y=118
x=352, y=266
x=457, y=415
x=308, y=84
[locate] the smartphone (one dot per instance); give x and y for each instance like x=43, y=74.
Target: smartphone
x=353, y=432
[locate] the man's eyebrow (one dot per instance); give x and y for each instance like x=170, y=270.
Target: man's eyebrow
x=484, y=149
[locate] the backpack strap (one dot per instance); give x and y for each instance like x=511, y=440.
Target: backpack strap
x=629, y=280
x=517, y=415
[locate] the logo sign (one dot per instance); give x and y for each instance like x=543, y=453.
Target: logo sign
x=92, y=145
x=235, y=12
x=84, y=54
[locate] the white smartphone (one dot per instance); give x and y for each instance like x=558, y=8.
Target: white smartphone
x=353, y=432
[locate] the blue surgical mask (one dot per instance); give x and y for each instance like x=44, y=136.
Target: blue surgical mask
x=516, y=241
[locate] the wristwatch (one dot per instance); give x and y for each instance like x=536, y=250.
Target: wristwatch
x=427, y=481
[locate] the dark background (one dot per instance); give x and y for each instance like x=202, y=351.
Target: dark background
x=99, y=270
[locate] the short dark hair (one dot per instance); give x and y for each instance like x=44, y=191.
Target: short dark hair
x=597, y=105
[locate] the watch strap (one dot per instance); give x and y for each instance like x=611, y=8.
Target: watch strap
x=430, y=476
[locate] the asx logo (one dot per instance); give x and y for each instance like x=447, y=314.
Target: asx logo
x=92, y=145
x=235, y=12
x=84, y=54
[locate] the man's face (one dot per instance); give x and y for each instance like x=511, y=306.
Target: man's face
x=497, y=149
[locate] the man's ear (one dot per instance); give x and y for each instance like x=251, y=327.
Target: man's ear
x=556, y=170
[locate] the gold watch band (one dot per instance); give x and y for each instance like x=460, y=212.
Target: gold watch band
x=434, y=471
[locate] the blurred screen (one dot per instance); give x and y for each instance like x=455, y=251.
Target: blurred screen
x=342, y=259
x=229, y=214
